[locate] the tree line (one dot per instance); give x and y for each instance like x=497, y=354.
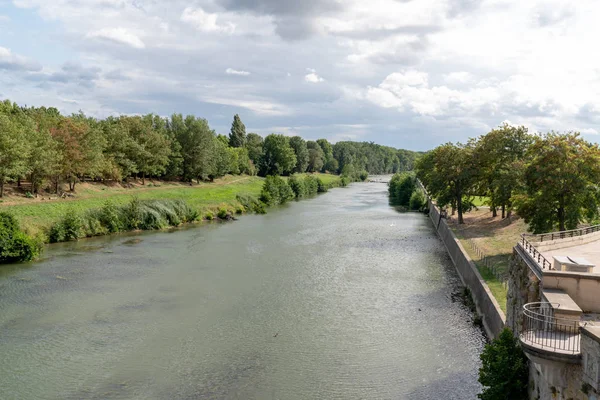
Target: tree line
x=551, y=179
x=47, y=149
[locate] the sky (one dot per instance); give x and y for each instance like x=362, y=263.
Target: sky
x=405, y=73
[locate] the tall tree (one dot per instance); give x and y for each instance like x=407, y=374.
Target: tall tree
x=14, y=150
x=316, y=156
x=301, y=151
x=330, y=163
x=561, y=183
x=254, y=144
x=278, y=156
x=197, y=146
x=500, y=159
x=448, y=173
x=237, y=136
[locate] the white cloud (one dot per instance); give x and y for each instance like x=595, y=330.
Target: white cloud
x=11, y=61
x=231, y=71
x=118, y=35
x=205, y=22
x=460, y=78
x=312, y=76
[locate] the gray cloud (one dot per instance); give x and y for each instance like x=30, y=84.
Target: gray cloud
x=70, y=73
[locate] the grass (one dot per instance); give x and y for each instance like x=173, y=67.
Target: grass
x=36, y=215
x=495, y=238
x=479, y=201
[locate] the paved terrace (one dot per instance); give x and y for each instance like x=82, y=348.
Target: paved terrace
x=589, y=251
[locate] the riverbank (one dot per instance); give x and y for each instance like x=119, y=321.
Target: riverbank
x=494, y=239
x=36, y=215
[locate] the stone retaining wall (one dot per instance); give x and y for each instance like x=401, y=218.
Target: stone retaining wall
x=487, y=306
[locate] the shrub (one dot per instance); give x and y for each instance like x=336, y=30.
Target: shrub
x=311, y=185
x=209, y=216
x=132, y=214
x=92, y=226
x=56, y=233
x=344, y=181
x=276, y=191
x=417, y=200
x=15, y=245
x=363, y=175
x=297, y=186
x=73, y=226
x=504, y=372
x=251, y=203
x=401, y=188
x=222, y=214
x=321, y=187
x=110, y=217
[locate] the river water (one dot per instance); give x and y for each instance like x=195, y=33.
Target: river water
x=336, y=297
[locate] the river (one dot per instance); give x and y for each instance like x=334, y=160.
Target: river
x=336, y=297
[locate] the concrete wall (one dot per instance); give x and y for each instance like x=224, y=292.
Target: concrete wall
x=556, y=244
x=493, y=317
x=583, y=288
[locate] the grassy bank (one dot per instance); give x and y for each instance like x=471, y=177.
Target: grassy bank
x=495, y=238
x=38, y=214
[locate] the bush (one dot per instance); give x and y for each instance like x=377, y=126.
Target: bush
x=276, y=191
x=504, y=372
x=222, y=214
x=363, y=175
x=401, y=188
x=297, y=186
x=311, y=185
x=73, y=226
x=321, y=187
x=344, y=181
x=417, y=200
x=110, y=217
x=251, y=203
x=209, y=216
x=56, y=233
x=132, y=214
x=15, y=245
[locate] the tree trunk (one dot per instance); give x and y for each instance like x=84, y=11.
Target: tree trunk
x=143, y=178
x=494, y=212
x=561, y=218
x=503, y=211
x=2, y=186
x=57, y=183
x=19, y=182
x=459, y=206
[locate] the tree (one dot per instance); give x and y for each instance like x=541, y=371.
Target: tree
x=254, y=144
x=316, y=157
x=330, y=163
x=197, y=142
x=14, y=150
x=504, y=372
x=448, y=173
x=301, y=151
x=278, y=156
x=401, y=188
x=561, y=183
x=237, y=136
x=500, y=159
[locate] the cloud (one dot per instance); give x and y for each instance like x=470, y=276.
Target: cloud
x=312, y=76
x=205, y=22
x=231, y=71
x=70, y=73
x=118, y=35
x=14, y=62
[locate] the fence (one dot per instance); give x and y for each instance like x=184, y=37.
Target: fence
x=543, y=330
x=534, y=253
x=537, y=238
x=487, y=262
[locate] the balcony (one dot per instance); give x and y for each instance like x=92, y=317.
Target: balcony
x=550, y=332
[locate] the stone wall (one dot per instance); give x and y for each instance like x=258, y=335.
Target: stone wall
x=523, y=288
x=487, y=306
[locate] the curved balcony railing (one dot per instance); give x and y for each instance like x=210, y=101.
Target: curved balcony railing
x=543, y=330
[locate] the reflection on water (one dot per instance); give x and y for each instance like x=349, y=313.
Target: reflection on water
x=338, y=297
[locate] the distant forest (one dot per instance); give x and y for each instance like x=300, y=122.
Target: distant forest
x=46, y=149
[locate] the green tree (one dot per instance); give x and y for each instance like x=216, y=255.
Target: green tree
x=301, y=151
x=401, y=188
x=237, y=136
x=278, y=156
x=561, y=183
x=449, y=173
x=14, y=150
x=197, y=142
x=316, y=157
x=500, y=160
x=504, y=372
x=330, y=163
x=254, y=144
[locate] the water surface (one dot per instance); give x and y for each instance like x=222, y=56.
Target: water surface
x=337, y=297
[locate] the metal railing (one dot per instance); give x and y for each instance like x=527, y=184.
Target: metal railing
x=543, y=330
x=535, y=254
x=537, y=238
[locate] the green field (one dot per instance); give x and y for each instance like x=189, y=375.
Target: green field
x=37, y=214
